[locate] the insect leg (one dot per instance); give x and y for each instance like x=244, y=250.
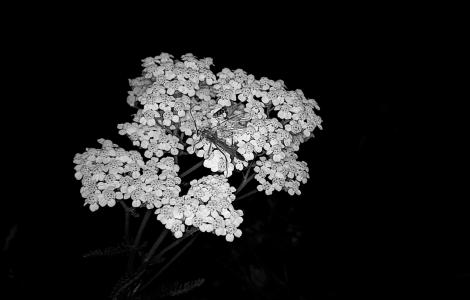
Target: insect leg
x=195, y=125
x=225, y=157
x=209, y=152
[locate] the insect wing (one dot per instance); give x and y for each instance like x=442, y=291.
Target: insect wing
x=220, y=112
x=234, y=122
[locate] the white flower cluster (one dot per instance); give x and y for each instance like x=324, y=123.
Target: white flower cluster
x=167, y=99
x=230, y=119
x=299, y=112
x=139, y=86
x=261, y=117
x=286, y=174
x=207, y=206
x=111, y=174
x=154, y=139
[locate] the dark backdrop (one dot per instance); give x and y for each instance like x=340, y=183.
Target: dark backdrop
x=368, y=223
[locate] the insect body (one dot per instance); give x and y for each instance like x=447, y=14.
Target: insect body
x=212, y=137
x=227, y=127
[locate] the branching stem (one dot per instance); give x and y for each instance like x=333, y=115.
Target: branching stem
x=247, y=194
x=126, y=222
x=143, y=224
x=192, y=169
x=155, y=246
x=168, y=263
x=244, y=183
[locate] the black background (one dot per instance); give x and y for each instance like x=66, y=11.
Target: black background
x=372, y=220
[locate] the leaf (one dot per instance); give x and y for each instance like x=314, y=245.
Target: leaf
x=178, y=288
x=120, y=285
x=124, y=283
x=109, y=251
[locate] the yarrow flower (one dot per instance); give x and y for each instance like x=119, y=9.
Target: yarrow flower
x=154, y=139
x=111, y=174
x=100, y=171
x=207, y=206
x=230, y=120
x=286, y=174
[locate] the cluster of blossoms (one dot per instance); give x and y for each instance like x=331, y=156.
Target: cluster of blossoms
x=112, y=173
x=230, y=119
x=286, y=175
x=154, y=139
x=207, y=206
x=260, y=117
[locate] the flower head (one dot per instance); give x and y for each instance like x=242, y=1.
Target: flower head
x=207, y=206
x=230, y=119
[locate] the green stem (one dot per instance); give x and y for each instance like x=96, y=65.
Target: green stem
x=126, y=222
x=193, y=168
x=148, y=213
x=148, y=261
x=168, y=263
x=130, y=263
x=247, y=195
x=244, y=183
x=155, y=246
x=141, y=270
x=172, y=245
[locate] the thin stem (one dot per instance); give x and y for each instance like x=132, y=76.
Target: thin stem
x=174, y=244
x=169, y=263
x=140, y=271
x=244, y=183
x=126, y=222
x=142, y=227
x=248, y=170
x=193, y=168
x=143, y=267
x=247, y=195
x=155, y=246
x=130, y=263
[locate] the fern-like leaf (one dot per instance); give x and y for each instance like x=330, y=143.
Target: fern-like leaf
x=118, y=287
x=179, y=288
x=125, y=283
x=108, y=251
